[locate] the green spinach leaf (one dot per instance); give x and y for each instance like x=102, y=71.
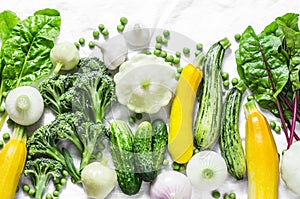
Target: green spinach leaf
x=8, y=20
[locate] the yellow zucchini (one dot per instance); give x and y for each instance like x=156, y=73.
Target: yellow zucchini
x=261, y=155
x=12, y=161
x=180, y=140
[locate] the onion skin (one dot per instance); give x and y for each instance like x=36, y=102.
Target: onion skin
x=171, y=185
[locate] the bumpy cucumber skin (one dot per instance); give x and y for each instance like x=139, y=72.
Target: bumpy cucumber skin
x=230, y=141
x=121, y=147
x=143, y=151
x=208, y=122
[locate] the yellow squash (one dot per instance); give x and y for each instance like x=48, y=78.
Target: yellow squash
x=180, y=140
x=12, y=161
x=261, y=155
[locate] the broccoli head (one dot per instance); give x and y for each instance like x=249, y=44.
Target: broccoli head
x=54, y=91
x=41, y=171
x=89, y=64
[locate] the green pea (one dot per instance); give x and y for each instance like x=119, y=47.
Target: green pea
x=156, y=52
x=81, y=41
x=31, y=192
x=237, y=37
x=232, y=196
x=96, y=34
x=123, y=20
x=199, y=46
x=277, y=129
x=164, y=41
x=176, y=60
x=234, y=81
x=4, y=94
x=2, y=109
x=131, y=119
x=226, y=83
x=177, y=76
x=225, y=75
x=186, y=50
x=49, y=196
x=166, y=33
x=148, y=52
x=58, y=187
x=120, y=28
x=178, y=54
x=163, y=54
x=9, y=122
x=179, y=69
x=216, y=194
x=165, y=162
x=175, y=166
x=77, y=45
x=272, y=124
x=105, y=32
x=158, y=46
x=101, y=27
x=91, y=45
x=181, y=167
x=26, y=188
x=159, y=39
x=1, y=144
x=170, y=58
x=55, y=193
x=63, y=181
x=195, y=151
x=250, y=97
x=226, y=196
x=6, y=136
x=65, y=173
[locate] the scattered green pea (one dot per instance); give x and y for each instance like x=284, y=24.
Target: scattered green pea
x=178, y=54
x=170, y=58
x=2, y=109
x=195, y=151
x=163, y=54
x=226, y=83
x=6, y=136
x=166, y=33
x=250, y=98
x=237, y=37
x=81, y=41
x=165, y=162
x=58, y=187
x=96, y=34
x=216, y=194
x=232, y=196
x=101, y=27
x=179, y=69
x=225, y=76
x=1, y=144
x=181, y=167
x=156, y=52
x=158, y=46
x=55, y=193
x=197, y=52
x=4, y=94
x=234, y=81
x=123, y=20
x=175, y=166
x=120, y=28
x=49, y=196
x=199, y=46
x=176, y=60
x=63, y=181
x=26, y=188
x=148, y=52
x=65, y=173
x=164, y=41
x=9, y=122
x=272, y=124
x=159, y=39
x=186, y=50
x=131, y=120
x=105, y=32
x=77, y=45
x=56, y=180
x=31, y=192
x=226, y=196
x=177, y=76
x=91, y=45
x=277, y=129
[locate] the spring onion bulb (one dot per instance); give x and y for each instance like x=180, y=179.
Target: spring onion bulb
x=206, y=170
x=171, y=185
x=24, y=105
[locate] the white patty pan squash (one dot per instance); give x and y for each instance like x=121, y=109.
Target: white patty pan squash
x=145, y=83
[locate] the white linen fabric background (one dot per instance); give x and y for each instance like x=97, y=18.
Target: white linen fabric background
x=204, y=21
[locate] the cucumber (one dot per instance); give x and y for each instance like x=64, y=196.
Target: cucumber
x=159, y=142
x=142, y=148
x=208, y=122
x=121, y=148
x=230, y=140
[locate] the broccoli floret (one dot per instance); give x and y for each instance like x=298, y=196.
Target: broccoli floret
x=41, y=171
x=54, y=91
x=64, y=126
x=91, y=134
x=88, y=64
x=43, y=142
x=94, y=92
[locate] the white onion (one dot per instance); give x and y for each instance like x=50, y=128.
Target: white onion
x=171, y=185
x=206, y=170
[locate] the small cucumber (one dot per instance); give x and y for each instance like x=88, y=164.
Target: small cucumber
x=121, y=147
x=142, y=148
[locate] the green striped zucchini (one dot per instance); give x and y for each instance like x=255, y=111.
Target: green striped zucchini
x=230, y=140
x=208, y=120
x=121, y=148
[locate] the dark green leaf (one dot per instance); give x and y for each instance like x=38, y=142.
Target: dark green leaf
x=48, y=12
x=25, y=54
x=263, y=69
x=8, y=20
